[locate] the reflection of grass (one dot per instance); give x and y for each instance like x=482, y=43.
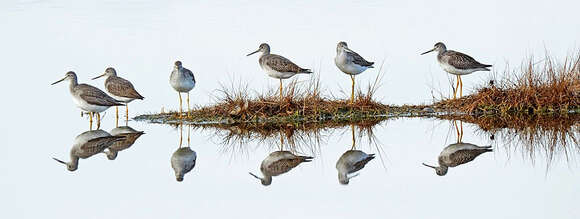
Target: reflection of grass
x=535, y=89
x=545, y=135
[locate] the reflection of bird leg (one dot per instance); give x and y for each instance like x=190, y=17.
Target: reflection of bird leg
x=180, y=134
x=461, y=136
x=456, y=131
x=188, y=134
x=117, y=112
x=188, y=109
x=98, y=120
x=352, y=89
x=180, y=105
x=281, y=142
x=90, y=120
x=127, y=112
x=353, y=138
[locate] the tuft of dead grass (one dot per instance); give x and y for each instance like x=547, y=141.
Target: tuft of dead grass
x=536, y=88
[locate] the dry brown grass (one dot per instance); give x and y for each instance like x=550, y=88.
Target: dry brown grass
x=536, y=88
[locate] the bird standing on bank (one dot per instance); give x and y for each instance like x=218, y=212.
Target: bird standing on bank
x=277, y=66
x=120, y=89
x=89, y=98
x=183, y=81
x=351, y=63
x=456, y=63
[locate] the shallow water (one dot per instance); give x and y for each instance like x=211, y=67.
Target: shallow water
x=41, y=40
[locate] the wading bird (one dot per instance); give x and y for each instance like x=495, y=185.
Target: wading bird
x=277, y=66
x=88, y=144
x=351, y=63
x=120, y=89
x=456, y=63
x=89, y=98
x=183, y=81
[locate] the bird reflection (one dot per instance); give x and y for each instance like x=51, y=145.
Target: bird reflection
x=279, y=162
x=351, y=162
x=183, y=159
x=88, y=144
x=131, y=135
x=458, y=153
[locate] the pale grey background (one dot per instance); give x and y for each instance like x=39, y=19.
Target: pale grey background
x=41, y=40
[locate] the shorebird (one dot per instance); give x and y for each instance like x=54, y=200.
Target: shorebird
x=183, y=160
x=88, y=144
x=120, y=89
x=277, y=66
x=89, y=98
x=131, y=135
x=456, y=63
x=183, y=81
x=351, y=63
x=457, y=154
x=279, y=162
x=350, y=162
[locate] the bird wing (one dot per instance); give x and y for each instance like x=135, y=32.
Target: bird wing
x=357, y=59
x=190, y=74
x=96, y=96
x=99, y=144
x=281, y=64
x=463, y=61
x=123, y=88
x=465, y=156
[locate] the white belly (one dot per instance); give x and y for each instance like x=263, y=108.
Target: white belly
x=348, y=67
x=275, y=74
x=122, y=99
x=83, y=105
x=183, y=86
x=455, y=71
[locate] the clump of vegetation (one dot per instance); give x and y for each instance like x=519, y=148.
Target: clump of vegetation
x=536, y=88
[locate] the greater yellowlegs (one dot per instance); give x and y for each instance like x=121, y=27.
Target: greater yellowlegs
x=457, y=154
x=456, y=63
x=277, y=66
x=183, y=81
x=131, y=135
x=89, y=98
x=88, y=144
x=350, y=63
x=277, y=163
x=120, y=89
x=350, y=162
x=183, y=159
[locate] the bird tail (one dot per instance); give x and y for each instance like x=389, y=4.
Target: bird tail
x=305, y=71
x=370, y=65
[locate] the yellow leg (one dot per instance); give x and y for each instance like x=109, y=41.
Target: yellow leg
x=98, y=120
x=90, y=121
x=353, y=138
x=456, y=88
x=461, y=85
x=116, y=116
x=352, y=90
x=180, y=105
x=188, y=109
x=127, y=112
x=461, y=135
x=180, y=135
x=281, y=95
x=188, y=134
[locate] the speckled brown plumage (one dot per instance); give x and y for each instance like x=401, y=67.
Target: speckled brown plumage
x=280, y=64
x=120, y=87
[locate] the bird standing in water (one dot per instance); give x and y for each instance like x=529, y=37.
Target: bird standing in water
x=351, y=63
x=183, y=81
x=120, y=89
x=456, y=63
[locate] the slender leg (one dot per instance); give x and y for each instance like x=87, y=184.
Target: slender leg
x=461, y=85
x=180, y=104
x=281, y=97
x=188, y=134
x=117, y=112
x=352, y=90
x=90, y=120
x=98, y=120
x=180, y=135
x=188, y=109
x=353, y=139
x=456, y=88
x=281, y=141
x=456, y=131
x=126, y=111
x=461, y=136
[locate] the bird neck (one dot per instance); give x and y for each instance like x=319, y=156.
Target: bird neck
x=73, y=83
x=266, y=52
